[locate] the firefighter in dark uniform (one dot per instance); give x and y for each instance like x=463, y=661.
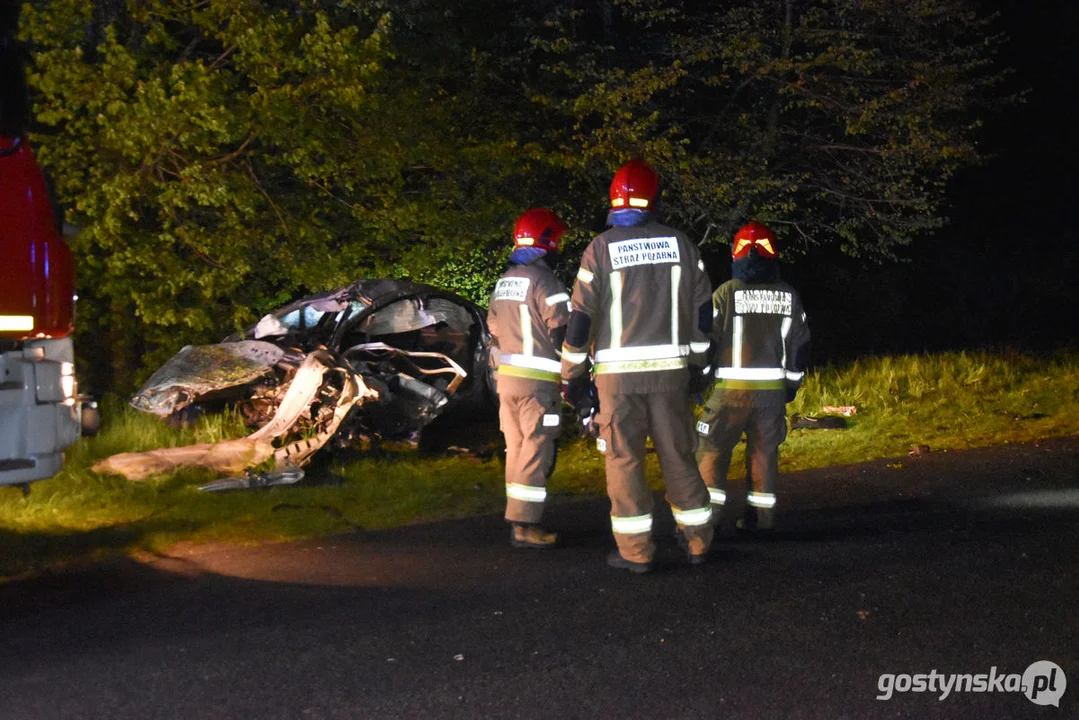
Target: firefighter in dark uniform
x=762, y=347
x=528, y=313
x=641, y=314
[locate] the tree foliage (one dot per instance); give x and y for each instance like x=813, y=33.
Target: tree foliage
x=838, y=120
x=224, y=156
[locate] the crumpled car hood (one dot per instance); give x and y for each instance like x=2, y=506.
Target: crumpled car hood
x=199, y=370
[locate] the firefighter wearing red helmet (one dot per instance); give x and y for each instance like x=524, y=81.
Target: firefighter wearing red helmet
x=762, y=347
x=528, y=312
x=641, y=312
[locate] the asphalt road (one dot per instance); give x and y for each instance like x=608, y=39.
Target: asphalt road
x=954, y=563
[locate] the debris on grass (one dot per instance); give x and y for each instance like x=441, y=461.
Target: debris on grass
x=808, y=422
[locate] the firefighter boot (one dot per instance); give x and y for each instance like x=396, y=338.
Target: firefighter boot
x=524, y=535
x=765, y=519
x=616, y=560
x=758, y=522
x=748, y=522
x=694, y=558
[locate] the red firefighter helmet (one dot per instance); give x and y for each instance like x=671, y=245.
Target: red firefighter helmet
x=635, y=185
x=539, y=227
x=754, y=235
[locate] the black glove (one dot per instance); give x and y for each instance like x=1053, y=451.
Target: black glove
x=576, y=392
x=580, y=394
x=700, y=382
x=792, y=392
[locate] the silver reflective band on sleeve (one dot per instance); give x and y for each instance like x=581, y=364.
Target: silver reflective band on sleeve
x=761, y=500
x=534, y=362
x=692, y=518
x=554, y=299
x=740, y=373
x=700, y=264
x=585, y=276
x=526, y=330
x=552, y=420
x=736, y=342
x=795, y=376
x=642, y=352
x=676, y=279
x=632, y=525
x=698, y=347
x=575, y=358
x=718, y=496
x=616, y=310
x=715, y=312
x=525, y=492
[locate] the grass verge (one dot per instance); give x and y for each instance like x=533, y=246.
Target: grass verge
x=946, y=401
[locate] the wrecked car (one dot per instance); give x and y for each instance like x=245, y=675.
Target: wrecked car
x=373, y=362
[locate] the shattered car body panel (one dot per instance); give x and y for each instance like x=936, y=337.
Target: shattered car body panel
x=198, y=371
x=304, y=421
x=414, y=350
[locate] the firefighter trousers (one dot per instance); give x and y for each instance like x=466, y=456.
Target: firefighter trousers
x=721, y=428
x=625, y=422
x=530, y=424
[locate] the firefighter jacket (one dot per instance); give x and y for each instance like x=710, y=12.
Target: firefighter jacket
x=527, y=304
x=761, y=340
x=641, y=288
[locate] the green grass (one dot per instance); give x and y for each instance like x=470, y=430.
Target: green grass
x=949, y=401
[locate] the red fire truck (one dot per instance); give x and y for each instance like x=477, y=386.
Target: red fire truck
x=40, y=411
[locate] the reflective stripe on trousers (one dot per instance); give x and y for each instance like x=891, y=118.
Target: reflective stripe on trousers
x=690, y=518
x=761, y=500
x=632, y=525
x=527, y=493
